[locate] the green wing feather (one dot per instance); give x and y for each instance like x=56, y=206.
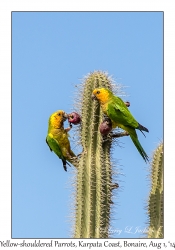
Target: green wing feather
x=136, y=142
x=119, y=113
x=54, y=146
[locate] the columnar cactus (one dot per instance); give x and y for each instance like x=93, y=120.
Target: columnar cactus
x=94, y=173
x=155, y=202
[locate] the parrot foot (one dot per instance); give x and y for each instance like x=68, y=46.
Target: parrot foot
x=82, y=153
x=120, y=134
x=69, y=128
x=105, y=117
x=74, y=161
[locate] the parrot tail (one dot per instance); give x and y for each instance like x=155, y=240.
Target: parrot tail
x=140, y=127
x=136, y=142
x=64, y=165
x=73, y=161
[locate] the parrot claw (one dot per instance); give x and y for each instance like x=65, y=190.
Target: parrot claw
x=82, y=153
x=126, y=133
x=74, y=161
x=69, y=128
x=120, y=134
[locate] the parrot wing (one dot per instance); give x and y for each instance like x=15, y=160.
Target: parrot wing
x=119, y=113
x=54, y=146
x=48, y=145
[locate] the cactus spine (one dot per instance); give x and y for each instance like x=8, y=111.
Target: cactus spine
x=94, y=174
x=155, y=202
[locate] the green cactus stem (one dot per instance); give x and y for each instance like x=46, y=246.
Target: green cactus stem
x=155, y=202
x=94, y=183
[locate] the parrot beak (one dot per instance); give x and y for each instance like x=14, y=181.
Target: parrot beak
x=65, y=116
x=93, y=97
x=69, y=116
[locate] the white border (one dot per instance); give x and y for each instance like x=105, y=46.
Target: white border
x=5, y=92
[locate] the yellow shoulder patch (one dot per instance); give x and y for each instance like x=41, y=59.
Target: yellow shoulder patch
x=51, y=136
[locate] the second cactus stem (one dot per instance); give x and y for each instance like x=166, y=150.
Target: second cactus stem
x=155, y=202
x=94, y=174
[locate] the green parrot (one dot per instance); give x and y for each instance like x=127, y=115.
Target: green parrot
x=117, y=111
x=57, y=138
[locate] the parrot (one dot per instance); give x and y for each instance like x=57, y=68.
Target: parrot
x=57, y=138
x=106, y=125
x=117, y=110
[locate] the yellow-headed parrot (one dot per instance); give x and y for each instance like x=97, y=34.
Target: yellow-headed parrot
x=117, y=111
x=57, y=138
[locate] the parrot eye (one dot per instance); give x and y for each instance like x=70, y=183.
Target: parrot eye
x=59, y=114
x=98, y=92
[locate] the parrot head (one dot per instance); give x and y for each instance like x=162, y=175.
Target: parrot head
x=101, y=94
x=57, y=118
